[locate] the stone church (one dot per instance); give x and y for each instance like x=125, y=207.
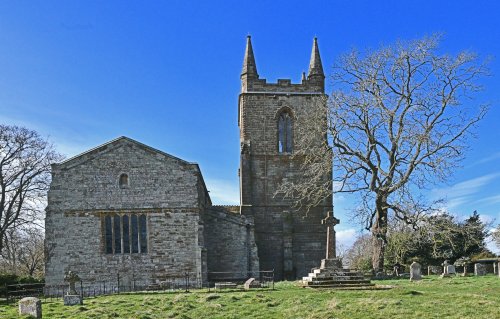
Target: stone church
x=126, y=209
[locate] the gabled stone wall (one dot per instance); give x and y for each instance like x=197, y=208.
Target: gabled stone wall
x=169, y=191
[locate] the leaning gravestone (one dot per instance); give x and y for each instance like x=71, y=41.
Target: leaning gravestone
x=415, y=271
x=30, y=306
x=479, y=269
x=251, y=283
x=72, y=298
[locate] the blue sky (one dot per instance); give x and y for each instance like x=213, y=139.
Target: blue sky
x=166, y=73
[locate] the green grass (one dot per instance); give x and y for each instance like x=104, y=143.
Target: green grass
x=433, y=297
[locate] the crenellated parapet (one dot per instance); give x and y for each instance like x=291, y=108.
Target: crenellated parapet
x=313, y=83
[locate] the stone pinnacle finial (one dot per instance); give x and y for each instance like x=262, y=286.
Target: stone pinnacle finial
x=249, y=66
x=315, y=65
x=303, y=77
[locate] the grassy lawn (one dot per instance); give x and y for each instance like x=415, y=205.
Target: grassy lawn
x=433, y=297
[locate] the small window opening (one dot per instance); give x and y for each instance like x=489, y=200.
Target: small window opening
x=285, y=133
x=123, y=181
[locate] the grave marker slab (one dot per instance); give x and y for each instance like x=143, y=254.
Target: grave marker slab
x=30, y=306
x=415, y=271
x=450, y=270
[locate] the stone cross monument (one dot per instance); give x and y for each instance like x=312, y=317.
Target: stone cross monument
x=330, y=223
x=72, y=278
x=72, y=297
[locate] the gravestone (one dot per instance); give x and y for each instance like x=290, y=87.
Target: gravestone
x=72, y=298
x=251, y=283
x=30, y=306
x=415, y=271
x=434, y=270
x=479, y=269
x=450, y=270
x=445, y=267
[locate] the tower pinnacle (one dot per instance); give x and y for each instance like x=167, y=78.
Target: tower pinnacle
x=315, y=66
x=249, y=66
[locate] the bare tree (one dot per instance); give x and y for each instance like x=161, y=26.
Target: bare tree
x=397, y=122
x=357, y=256
x=23, y=252
x=495, y=236
x=25, y=160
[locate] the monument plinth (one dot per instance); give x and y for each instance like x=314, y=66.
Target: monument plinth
x=72, y=297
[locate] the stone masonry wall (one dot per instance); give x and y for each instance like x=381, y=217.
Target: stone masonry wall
x=86, y=188
x=230, y=244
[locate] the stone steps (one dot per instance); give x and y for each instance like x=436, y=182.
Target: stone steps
x=321, y=272
x=323, y=278
x=332, y=276
x=337, y=282
x=361, y=285
x=309, y=278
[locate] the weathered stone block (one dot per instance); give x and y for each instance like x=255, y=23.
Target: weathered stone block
x=73, y=300
x=30, y=306
x=225, y=285
x=332, y=263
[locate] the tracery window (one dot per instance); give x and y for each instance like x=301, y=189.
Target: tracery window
x=285, y=133
x=125, y=234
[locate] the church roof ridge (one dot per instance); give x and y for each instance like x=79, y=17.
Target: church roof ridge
x=125, y=138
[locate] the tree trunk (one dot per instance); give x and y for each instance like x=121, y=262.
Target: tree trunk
x=378, y=252
x=379, y=234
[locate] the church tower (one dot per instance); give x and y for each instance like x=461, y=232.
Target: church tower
x=290, y=240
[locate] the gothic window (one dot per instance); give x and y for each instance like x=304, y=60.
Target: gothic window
x=125, y=234
x=123, y=181
x=285, y=133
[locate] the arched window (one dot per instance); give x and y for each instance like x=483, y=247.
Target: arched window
x=123, y=181
x=285, y=133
